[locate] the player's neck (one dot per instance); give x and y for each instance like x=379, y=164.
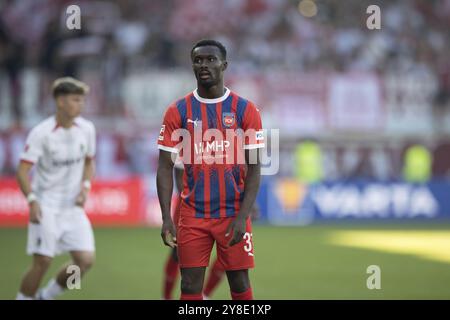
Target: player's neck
x=213, y=92
x=63, y=121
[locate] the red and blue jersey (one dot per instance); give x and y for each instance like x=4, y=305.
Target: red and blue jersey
x=210, y=136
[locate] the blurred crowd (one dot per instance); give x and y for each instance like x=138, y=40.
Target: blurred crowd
x=121, y=38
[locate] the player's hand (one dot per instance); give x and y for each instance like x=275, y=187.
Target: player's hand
x=81, y=198
x=168, y=233
x=35, y=212
x=237, y=228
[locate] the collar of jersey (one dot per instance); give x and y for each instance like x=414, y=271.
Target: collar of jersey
x=215, y=100
x=56, y=125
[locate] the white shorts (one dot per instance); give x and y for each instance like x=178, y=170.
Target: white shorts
x=60, y=231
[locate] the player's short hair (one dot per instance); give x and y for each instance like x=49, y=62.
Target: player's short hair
x=208, y=42
x=68, y=85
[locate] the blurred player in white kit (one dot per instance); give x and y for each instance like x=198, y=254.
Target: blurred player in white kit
x=62, y=148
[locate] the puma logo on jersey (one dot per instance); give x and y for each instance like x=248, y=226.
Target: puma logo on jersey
x=192, y=121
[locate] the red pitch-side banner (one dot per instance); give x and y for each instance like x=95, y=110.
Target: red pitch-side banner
x=110, y=203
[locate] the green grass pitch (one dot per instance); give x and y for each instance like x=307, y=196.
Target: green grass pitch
x=291, y=263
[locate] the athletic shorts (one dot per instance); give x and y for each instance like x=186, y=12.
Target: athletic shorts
x=196, y=237
x=60, y=231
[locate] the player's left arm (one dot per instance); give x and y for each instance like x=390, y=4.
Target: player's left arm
x=253, y=143
x=164, y=176
x=252, y=181
x=88, y=170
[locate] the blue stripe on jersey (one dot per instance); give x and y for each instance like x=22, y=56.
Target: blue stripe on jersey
x=211, y=112
x=214, y=193
x=200, y=183
x=229, y=194
x=226, y=105
x=214, y=196
x=190, y=177
x=229, y=188
x=240, y=110
x=200, y=195
x=196, y=110
x=236, y=174
x=182, y=110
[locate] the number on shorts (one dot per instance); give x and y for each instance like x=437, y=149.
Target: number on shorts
x=248, y=240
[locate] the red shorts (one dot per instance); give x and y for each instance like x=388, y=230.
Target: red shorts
x=196, y=236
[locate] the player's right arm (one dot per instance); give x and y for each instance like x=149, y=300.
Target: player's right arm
x=179, y=171
x=164, y=177
x=30, y=156
x=164, y=184
x=24, y=182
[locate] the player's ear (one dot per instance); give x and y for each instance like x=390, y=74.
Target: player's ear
x=224, y=65
x=59, y=101
x=192, y=64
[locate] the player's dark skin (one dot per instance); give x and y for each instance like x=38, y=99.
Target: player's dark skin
x=178, y=173
x=208, y=65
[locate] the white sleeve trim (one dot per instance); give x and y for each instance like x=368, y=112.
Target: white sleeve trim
x=28, y=159
x=253, y=146
x=173, y=150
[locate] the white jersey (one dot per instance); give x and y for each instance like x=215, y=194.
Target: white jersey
x=59, y=155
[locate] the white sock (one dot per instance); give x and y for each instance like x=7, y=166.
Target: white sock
x=52, y=290
x=21, y=296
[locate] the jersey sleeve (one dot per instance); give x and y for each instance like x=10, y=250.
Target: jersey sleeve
x=252, y=125
x=171, y=122
x=33, y=147
x=91, y=148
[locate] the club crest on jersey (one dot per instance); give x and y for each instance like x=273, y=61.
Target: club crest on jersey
x=228, y=119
